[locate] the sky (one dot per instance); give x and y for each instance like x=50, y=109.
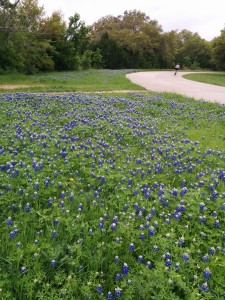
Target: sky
x=207, y=18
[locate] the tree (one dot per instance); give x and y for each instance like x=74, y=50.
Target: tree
x=194, y=52
x=97, y=59
x=218, y=51
x=168, y=49
x=8, y=4
x=134, y=37
x=35, y=49
x=10, y=39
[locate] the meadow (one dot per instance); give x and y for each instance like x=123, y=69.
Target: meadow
x=111, y=196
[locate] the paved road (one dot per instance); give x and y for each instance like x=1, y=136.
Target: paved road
x=165, y=81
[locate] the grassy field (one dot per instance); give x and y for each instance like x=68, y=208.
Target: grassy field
x=84, y=81
x=110, y=195
x=216, y=78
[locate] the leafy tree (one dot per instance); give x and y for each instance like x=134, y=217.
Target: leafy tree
x=10, y=39
x=218, y=51
x=78, y=33
x=134, y=37
x=194, y=52
x=113, y=55
x=8, y=4
x=35, y=48
x=86, y=60
x=168, y=49
x=97, y=59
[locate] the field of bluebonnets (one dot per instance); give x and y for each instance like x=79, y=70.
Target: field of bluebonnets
x=111, y=197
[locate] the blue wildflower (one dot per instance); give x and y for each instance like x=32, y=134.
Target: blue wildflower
x=168, y=263
x=117, y=277
x=118, y=292
x=205, y=258
x=53, y=263
x=9, y=221
x=149, y=265
x=109, y=296
x=23, y=270
x=99, y=288
x=113, y=226
x=140, y=259
x=151, y=231
x=207, y=274
x=131, y=247
x=185, y=256
x=204, y=287
x=125, y=269
x=54, y=234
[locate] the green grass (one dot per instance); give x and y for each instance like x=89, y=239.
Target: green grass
x=77, y=81
x=88, y=81
x=69, y=162
x=216, y=78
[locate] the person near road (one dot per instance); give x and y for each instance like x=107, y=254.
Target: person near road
x=176, y=68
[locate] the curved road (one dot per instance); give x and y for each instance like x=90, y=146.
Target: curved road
x=165, y=81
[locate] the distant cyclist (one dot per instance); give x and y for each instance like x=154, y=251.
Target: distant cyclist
x=177, y=67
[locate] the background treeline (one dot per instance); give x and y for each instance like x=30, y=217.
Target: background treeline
x=32, y=42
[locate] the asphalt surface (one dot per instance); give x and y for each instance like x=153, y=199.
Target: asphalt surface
x=165, y=81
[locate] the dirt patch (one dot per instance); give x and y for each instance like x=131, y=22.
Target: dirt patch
x=18, y=86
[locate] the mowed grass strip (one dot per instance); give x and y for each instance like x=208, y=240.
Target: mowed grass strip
x=215, y=78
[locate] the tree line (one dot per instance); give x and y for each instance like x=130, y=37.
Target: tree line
x=32, y=42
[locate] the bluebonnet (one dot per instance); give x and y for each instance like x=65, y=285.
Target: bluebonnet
x=54, y=234
x=140, y=259
x=23, y=270
x=151, y=231
x=118, y=292
x=212, y=251
x=155, y=248
x=204, y=287
x=109, y=296
x=205, y=258
x=53, y=263
x=177, y=266
x=149, y=265
x=202, y=206
x=9, y=221
x=216, y=223
x=125, y=269
x=181, y=241
x=207, y=274
x=113, y=226
x=185, y=256
x=131, y=247
x=99, y=288
x=27, y=207
x=117, y=277
x=168, y=263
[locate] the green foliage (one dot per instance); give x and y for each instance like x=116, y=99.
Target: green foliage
x=86, y=60
x=218, y=51
x=97, y=59
x=30, y=42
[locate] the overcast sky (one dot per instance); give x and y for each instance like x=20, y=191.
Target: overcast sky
x=204, y=17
